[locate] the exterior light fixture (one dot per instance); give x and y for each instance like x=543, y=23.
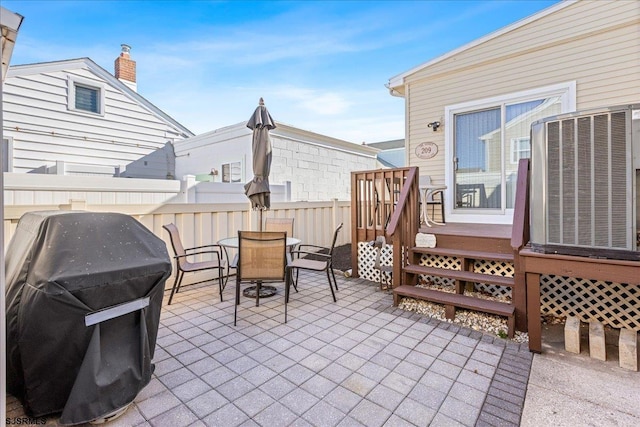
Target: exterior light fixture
x=434, y=125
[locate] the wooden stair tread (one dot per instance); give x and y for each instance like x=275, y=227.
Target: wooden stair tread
x=462, y=253
x=458, y=300
x=467, y=276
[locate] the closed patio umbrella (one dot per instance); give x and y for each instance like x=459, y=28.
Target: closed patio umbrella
x=257, y=190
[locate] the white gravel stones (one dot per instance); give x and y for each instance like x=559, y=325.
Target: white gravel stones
x=478, y=321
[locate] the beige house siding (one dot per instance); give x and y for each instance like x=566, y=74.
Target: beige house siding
x=594, y=43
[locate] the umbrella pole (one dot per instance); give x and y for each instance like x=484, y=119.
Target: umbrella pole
x=260, y=219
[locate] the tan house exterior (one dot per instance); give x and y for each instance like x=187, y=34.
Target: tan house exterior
x=572, y=56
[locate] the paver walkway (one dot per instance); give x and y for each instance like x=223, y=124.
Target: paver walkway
x=359, y=361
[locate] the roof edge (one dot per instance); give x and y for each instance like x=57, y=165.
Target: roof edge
x=42, y=67
x=283, y=130
x=317, y=138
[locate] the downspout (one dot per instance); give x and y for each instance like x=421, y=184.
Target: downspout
x=404, y=95
x=9, y=25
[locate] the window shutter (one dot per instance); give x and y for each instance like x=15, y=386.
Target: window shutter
x=87, y=99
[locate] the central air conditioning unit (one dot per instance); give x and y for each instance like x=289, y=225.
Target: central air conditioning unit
x=585, y=170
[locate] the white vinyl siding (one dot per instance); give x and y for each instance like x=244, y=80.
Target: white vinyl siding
x=46, y=130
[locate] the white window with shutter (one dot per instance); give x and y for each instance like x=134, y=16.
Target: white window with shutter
x=85, y=96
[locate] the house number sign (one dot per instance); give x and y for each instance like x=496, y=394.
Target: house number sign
x=426, y=150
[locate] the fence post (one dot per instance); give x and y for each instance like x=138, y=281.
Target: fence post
x=74, y=205
x=251, y=218
x=60, y=167
x=187, y=190
x=334, y=214
x=287, y=191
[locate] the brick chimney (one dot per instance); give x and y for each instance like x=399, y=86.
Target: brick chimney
x=125, y=68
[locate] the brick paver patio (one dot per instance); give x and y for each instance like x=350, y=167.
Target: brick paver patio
x=359, y=361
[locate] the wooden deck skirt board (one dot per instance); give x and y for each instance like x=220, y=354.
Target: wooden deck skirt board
x=537, y=264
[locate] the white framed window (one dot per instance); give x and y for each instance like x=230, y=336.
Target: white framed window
x=520, y=149
x=483, y=143
x=232, y=172
x=85, y=96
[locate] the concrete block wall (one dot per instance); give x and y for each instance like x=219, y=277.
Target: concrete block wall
x=316, y=173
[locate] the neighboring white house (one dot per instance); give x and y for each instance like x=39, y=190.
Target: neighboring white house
x=317, y=166
x=72, y=117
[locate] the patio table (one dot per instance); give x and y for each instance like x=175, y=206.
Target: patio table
x=426, y=191
x=232, y=243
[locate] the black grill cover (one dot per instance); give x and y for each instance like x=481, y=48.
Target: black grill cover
x=61, y=266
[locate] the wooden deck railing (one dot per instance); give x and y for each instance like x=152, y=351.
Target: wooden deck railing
x=385, y=202
x=519, y=238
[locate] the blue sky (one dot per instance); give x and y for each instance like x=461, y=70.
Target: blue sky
x=320, y=65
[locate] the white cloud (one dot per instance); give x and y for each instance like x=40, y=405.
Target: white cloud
x=316, y=101
x=352, y=115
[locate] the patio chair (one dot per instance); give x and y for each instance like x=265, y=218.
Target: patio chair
x=279, y=224
x=318, y=258
x=261, y=258
x=183, y=265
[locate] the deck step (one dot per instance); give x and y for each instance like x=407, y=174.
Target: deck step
x=466, y=276
x=459, y=301
x=461, y=253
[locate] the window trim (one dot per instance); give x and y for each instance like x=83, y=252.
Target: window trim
x=230, y=164
x=515, y=149
x=74, y=81
x=567, y=93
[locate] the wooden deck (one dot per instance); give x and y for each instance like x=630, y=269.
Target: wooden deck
x=399, y=222
x=537, y=264
x=468, y=243
x=486, y=244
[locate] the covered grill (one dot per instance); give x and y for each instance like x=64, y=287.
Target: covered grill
x=84, y=293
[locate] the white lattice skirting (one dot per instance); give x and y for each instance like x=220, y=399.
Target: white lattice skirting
x=614, y=304
x=367, y=257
